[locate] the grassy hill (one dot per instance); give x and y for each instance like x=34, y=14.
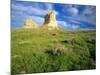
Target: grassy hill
x=41, y=50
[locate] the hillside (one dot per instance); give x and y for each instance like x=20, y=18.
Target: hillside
x=41, y=50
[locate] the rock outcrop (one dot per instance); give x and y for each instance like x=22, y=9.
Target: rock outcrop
x=50, y=21
x=30, y=24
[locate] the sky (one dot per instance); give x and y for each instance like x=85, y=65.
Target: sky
x=68, y=16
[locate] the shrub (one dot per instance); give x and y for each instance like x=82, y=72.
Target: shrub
x=58, y=50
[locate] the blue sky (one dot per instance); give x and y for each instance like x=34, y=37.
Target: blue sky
x=69, y=16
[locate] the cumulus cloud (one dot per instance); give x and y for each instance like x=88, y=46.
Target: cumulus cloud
x=48, y=6
x=69, y=16
x=36, y=9
x=28, y=9
x=68, y=26
x=70, y=10
x=89, y=15
x=73, y=11
x=37, y=19
x=75, y=27
x=22, y=17
x=62, y=23
x=89, y=10
x=75, y=21
x=81, y=13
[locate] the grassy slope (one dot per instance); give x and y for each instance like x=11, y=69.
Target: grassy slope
x=34, y=50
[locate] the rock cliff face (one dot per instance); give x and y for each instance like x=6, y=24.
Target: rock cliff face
x=50, y=21
x=30, y=24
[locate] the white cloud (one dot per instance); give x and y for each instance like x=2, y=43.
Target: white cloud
x=91, y=20
x=49, y=6
x=69, y=9
x=62, y=23
x=75, y=27
x=65, y=25
x=73, y=11
x=90, y=10
x=89, y=15
x=37, y=19
x=28, y=9
x=75, y=21
x=33, y=10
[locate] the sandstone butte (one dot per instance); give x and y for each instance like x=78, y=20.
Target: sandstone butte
x=49, y=22
x=30, y=24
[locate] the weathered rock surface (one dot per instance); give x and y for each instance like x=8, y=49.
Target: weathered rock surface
x=30, y=24
x=50, y=21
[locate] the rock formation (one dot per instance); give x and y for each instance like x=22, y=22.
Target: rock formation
x=50, y=21
x=30, y=24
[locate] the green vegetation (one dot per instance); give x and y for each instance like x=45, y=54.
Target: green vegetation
x=41, y=50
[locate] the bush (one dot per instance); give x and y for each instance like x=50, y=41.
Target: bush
x=58, y=50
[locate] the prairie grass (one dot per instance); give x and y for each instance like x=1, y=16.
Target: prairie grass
x=41, y=50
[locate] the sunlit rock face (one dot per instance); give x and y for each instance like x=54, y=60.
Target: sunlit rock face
x=30, y=24
x=50, y=21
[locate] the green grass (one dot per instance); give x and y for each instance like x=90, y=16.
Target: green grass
x=41, y=50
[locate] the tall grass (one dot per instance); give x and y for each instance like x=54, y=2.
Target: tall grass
x=41, y=50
